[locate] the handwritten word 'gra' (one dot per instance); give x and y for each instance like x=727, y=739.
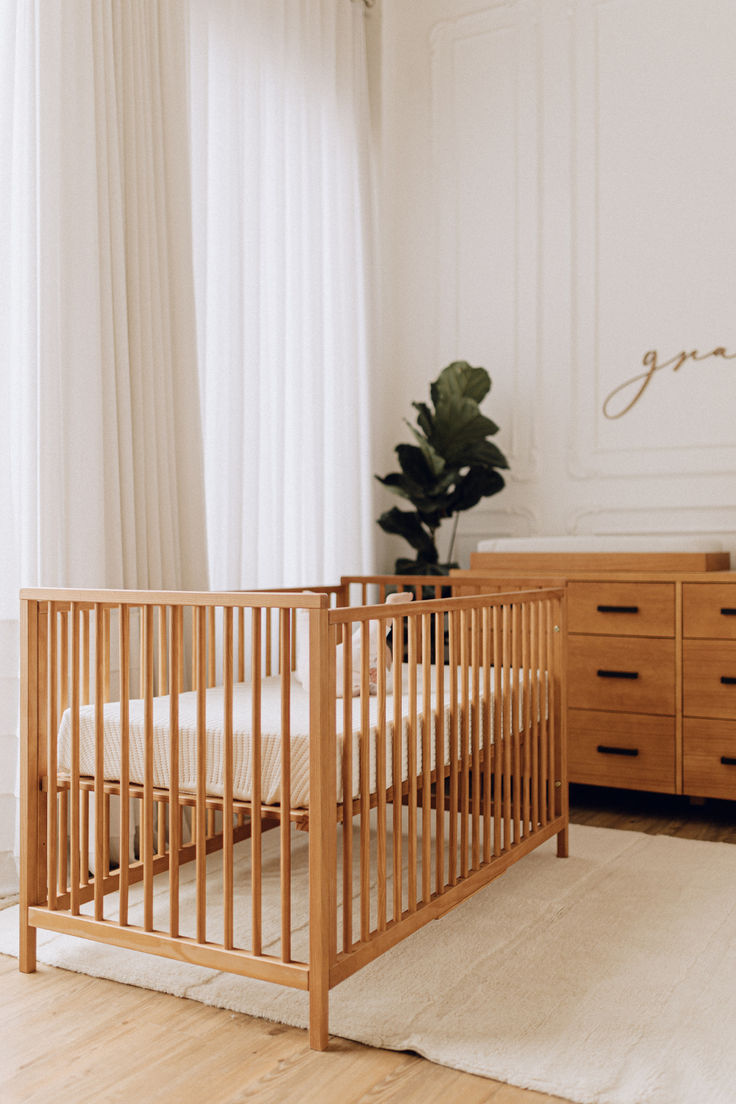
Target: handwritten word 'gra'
x=631, y=390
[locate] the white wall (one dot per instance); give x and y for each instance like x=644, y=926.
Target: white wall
x=557, y=199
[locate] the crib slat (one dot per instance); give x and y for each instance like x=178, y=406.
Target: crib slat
x=211, y=646
x=397, y=636
x=255, y=839
x=162, y=634
x=227, y=780
x=526, y=683
x=497, y=731
x=475, y=720
x=160, y=828
x=426, y=757
x=381, y=842
x=485, y=728
x=439, y=755
x=464, y=743
x=147, y=817
x=52, y=728
x=75, y=812
x=84, y=615
x=63, y=841
x=466, y=654
x=141, y=650
x=84, y=837
x=347, y=785
x=285, y=669
x=174, y=807
x=535, y=723
x=516, y=709
x=549, y=744
x=412, y=765
x=241, y=644
x=200, y=812
x=106, y=654
x=454, y=748
x=124, y=644
x=365, y=827
x=99, y=761
x=507, y=726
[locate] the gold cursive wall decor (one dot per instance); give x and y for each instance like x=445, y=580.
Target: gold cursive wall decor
x=631, y=390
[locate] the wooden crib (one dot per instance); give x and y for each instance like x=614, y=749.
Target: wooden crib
x=423, y=750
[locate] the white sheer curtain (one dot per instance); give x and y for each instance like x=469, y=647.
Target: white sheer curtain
x=101, y=475
x=282, y=240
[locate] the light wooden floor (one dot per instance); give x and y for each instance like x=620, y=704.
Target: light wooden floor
x=65, y=1036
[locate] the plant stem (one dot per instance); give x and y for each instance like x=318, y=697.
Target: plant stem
x=452, y=539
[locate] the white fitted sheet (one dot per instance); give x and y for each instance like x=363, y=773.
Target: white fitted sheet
x=270, y=715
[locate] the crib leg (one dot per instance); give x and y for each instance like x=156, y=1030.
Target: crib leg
x=562, y=844
x=26, y=947
x=319, y=1036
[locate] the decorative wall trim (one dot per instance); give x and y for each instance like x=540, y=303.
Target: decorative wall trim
x=598, y=447
x=508, y=37
x=661, y=521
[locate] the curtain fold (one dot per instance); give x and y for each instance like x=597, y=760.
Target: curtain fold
x=282, y=201
x=102, y=465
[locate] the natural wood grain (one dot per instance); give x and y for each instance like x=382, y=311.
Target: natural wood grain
x=565, y=562
x=622, y=609
x=84, y=1054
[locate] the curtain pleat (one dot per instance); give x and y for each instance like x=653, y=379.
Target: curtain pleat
x=282, y=235
x=100, y=403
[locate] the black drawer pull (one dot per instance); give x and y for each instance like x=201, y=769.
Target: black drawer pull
x=618, y=674
x=620, y=609
x=728, y=761
x=728, y=680
x=728, y=611
x=606, y=749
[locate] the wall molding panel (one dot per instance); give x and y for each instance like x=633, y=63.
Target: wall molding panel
x=571, y=168
x=485, y=80
x=643, y=255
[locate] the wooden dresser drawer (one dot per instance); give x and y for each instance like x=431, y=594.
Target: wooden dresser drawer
x=709, y=610
x=709, y=758
x=709, y=678
x=621, y=673
x=621, y=609
x=626, y=750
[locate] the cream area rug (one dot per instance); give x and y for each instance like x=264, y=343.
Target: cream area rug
x=608, y=977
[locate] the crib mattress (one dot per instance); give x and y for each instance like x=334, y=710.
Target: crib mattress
x=271, y=741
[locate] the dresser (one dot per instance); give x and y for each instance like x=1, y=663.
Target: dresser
x=651, y=649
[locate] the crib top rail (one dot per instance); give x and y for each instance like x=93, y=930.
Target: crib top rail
x=344, y=614
x=275, y=599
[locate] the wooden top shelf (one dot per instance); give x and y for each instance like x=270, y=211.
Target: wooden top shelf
x=667, y=566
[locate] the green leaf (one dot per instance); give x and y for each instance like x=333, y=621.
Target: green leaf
x=458, y=425
x=406, y=525
x=434, y=460
x=415, y=464
x=424, y=418
x=461, y=380
x=478, y=483
x=483, y=454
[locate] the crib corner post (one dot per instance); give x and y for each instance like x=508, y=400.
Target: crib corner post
x=562, y=789
x=31, y=868
x=322, y=827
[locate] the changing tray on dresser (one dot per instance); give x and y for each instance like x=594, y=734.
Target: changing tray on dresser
x=651, y=653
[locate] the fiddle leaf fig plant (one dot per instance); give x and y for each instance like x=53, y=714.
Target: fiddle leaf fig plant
x=450, y=468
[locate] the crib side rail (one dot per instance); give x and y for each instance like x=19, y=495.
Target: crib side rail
x=95, y=834
x=471, y=783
